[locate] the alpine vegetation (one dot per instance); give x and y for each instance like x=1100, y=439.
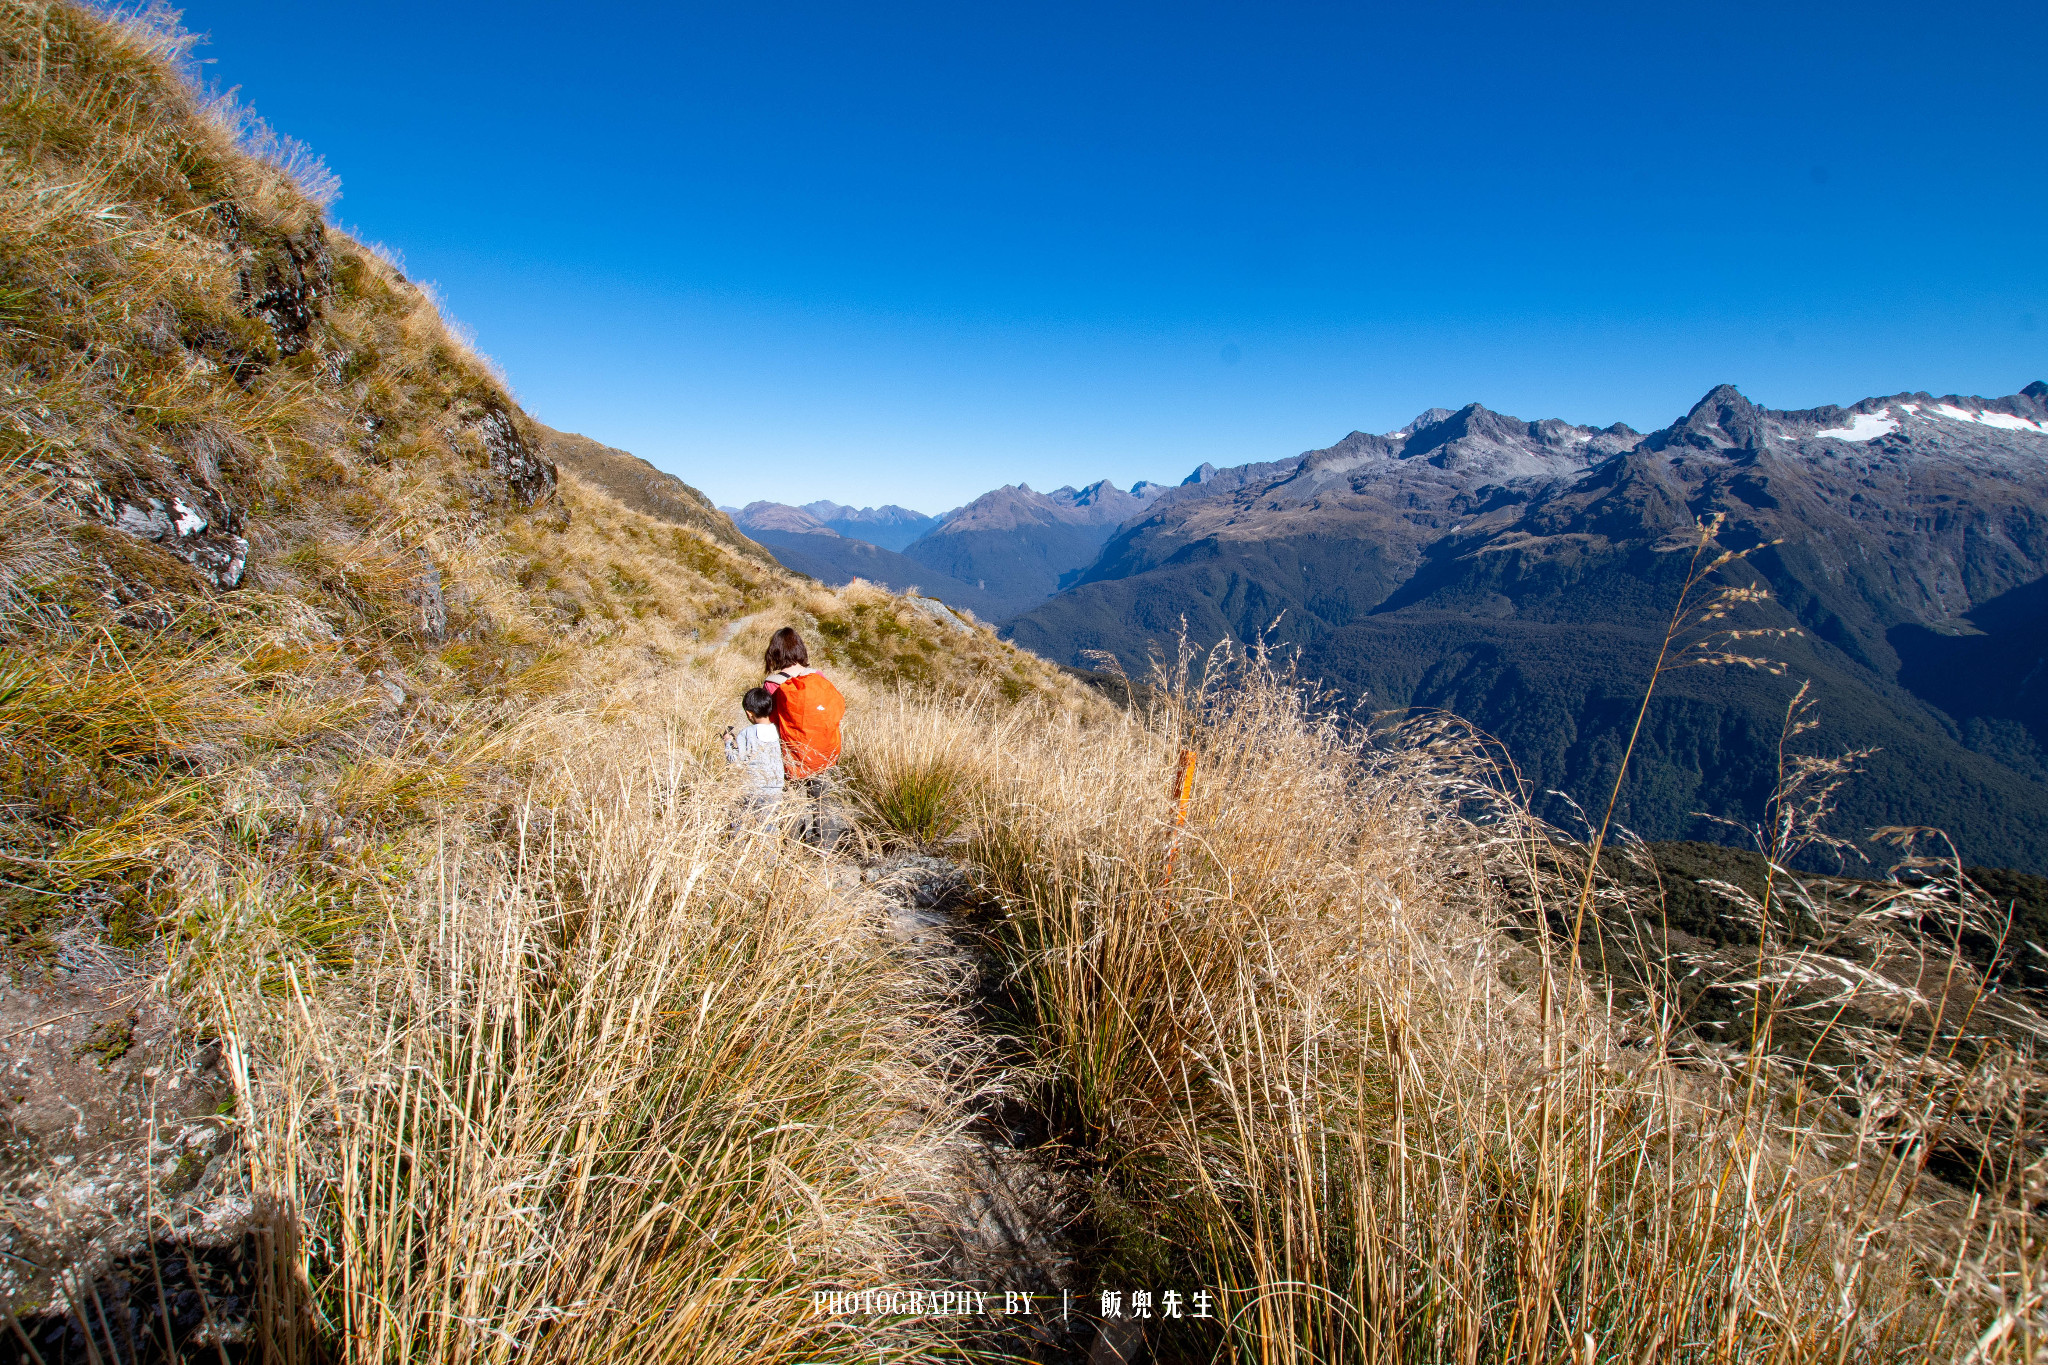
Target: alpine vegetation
x=397, y=968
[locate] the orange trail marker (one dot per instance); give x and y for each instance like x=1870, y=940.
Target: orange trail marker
x=1184, y=790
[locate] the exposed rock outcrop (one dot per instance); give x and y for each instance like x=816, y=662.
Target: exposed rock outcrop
x=529, y=477
x=283, y=280
x=155, y=498
x=114, y=1122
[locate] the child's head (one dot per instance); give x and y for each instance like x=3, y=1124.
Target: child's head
x=758, y=704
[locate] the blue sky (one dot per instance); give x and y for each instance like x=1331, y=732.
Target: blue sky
x=905, y=253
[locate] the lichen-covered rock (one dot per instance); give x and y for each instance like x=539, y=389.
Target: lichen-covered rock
x=432, y=604
x=527, y=475
x=283, y=280
x=157, y=502
x=112, y=1127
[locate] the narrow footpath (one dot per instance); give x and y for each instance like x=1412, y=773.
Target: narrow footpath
x=998, y=1212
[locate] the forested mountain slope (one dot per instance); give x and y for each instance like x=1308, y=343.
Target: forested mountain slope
x=1521, y=575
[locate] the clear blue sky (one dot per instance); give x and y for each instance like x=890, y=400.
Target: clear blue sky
x=906, y=253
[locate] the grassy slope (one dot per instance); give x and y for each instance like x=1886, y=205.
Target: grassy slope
x=642, y=487
x=314, y=670
x=411, y=574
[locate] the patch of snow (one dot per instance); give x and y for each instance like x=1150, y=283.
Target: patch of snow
x=1909, y=407
x=2005, y=421
x=1864, y=426
x=2009, y=422
x=189, y=519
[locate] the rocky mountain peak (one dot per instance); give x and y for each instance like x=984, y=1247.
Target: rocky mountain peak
x=1470, y=420
x=1477, y=443
x=1427, y=418
x=1723, y=420
x=1355, y=448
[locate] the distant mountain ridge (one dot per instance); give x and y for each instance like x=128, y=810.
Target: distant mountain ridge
x=888, y=526
x=802, y=540
x=1517, y=573
x=1020, y=546
x=1009, y=549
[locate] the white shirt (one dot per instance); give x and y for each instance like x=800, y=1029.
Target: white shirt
x=758, y=749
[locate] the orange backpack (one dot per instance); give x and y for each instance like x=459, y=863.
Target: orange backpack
x=808, y=709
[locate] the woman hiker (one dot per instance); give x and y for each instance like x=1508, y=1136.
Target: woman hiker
x=808, y=709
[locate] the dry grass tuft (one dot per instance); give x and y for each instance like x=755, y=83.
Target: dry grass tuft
x=1331, y=1045
x=617, y=1080
x=910, y=773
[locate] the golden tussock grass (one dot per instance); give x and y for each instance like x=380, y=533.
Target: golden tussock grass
x=611, y=1079
x=1342, y=1069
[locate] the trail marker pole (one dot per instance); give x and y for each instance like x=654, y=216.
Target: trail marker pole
x=1184, y=790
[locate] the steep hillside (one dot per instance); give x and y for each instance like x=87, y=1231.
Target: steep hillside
x=640, y=486
x=1520, y=574
x=312, y=659
x=1020, y=547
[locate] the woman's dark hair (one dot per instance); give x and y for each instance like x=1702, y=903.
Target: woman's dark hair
x=786, y=648
x=758, y=704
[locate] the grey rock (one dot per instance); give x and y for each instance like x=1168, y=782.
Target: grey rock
x=110, y=1135
x=283, y=282
x=937, y=611
x=432, y=604
x=528, y=476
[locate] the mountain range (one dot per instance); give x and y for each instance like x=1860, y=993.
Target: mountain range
x=1520, y=574
x=889, y=528
x=1006, y=551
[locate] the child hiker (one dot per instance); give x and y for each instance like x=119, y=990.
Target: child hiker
x=808, y=709
x=758, y=749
